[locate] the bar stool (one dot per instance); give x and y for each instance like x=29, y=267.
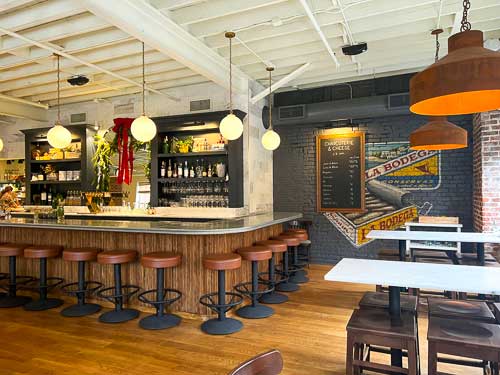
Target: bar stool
x=120, y=292
x=468, y=339
x=273, y=297
x=82, y=287
x=160, y=320
x=11, y=299
x=221, y=325
x=299, y=276
x=255, y=310
x=456, y=309
x=287, y=286
x=375, y=327
x=43, y=252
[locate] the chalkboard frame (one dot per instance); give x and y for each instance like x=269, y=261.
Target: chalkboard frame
x=353, y=134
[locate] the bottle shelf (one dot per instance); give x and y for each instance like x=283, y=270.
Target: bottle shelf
x=192, y=179
x=189, y=154
x=54, y=182
x=56, y=161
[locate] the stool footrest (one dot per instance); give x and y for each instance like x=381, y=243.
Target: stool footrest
x=20, y=280
x=127, y=292
x=89, y=287
x=278, y=279
x=245, y=288
x=208, y=300
x=52, y=282
x=166, y=301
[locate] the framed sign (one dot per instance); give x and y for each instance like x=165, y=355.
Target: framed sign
x=340, y=172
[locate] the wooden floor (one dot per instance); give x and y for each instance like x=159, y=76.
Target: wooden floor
x=309, y=330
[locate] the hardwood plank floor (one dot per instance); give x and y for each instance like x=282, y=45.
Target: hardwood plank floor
x=309, y=330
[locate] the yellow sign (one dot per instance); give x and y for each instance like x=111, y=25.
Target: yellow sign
x=388, y=222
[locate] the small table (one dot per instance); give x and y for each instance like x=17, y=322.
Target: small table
x=402, y=236
x=469, y=279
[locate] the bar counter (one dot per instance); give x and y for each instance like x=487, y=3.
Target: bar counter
x=192, y=239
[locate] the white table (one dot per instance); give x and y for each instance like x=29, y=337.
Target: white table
x=470, y=279
x=402, y=236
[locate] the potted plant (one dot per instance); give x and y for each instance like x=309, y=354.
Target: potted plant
x=186, y=145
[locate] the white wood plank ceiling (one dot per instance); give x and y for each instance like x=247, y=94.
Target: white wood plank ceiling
x=107, y=48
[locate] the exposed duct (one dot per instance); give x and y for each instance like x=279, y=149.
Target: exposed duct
x=373, y=106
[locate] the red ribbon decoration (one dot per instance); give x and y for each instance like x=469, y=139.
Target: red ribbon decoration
x=125, y=150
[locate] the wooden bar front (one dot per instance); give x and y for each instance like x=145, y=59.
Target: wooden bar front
x=190, y=277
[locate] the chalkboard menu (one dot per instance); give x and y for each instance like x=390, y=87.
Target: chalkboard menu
x=340, y=171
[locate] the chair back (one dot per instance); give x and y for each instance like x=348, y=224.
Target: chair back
x=268, y=363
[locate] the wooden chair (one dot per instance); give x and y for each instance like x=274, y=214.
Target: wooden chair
x=268, y=363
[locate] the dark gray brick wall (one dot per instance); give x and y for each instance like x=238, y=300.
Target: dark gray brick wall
x=295, y=181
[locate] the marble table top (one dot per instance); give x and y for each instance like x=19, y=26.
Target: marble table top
x=434, y=236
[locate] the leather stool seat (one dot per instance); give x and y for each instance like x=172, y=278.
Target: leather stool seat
x=116, y=256
x=80, y=254
x=300, y=236
x=42, y=251
x=221, y=262
x=290, y=240
x=274, y=245
x=161, y=260
x=12, y=249
x=296, y=230
x=255, y=253
x=468, y=310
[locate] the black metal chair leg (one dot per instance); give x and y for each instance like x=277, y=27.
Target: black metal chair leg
x=273, y=297
x=44, y=303
x=12, y=299
x=255, y=310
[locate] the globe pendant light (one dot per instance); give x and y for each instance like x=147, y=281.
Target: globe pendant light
x=270, y=140
x=465, y=81
x=1, y=144
x=231, y=126
x=438, y=133
x=143, y=128
x=58, y=136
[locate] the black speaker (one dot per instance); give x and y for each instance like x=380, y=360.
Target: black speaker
x=355, y=49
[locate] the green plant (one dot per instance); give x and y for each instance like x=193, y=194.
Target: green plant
x=147, y=166
x=102, y=163
x=188, y=142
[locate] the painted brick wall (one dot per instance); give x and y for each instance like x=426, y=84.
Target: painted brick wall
x=295, y=182
x=486, y=158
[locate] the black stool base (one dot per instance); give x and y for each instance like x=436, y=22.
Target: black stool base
x=255, y=312
x=40, y=305
x=76, y=311
x=273, y=298
x=287, y=287
x=118, y=316
x=221, y=327
x=160, y=322
x=7, y=301
x=301, y=272
x=299, y=279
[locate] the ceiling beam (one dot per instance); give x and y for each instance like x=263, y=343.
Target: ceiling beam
x=282, y=82
x=148, y=24
x=20, y=108
x=80, y=61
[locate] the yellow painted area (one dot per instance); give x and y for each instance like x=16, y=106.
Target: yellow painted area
x=388, y=222
x=427, y=167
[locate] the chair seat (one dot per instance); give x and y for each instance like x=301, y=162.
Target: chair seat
x=80, y=254
x=255, y=253
x=470, y=310
x=116, y=256
x=300, y=236
x=12, y=249
x=288, y=239
x=42, y=251
x=296, y=230
x=496, y=310
x=275, y=245
x=381, y=300
x=161, y=260
x=466, y=333
x=378, y=321
x=221, y=262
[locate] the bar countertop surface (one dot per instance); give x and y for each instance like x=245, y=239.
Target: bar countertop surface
x=223, y=226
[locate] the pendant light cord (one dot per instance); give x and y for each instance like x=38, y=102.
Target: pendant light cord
x=58, y=90
x=143, y=83
x=270, y=103
x=465, y=22
x=230, y=75
x=436, y=58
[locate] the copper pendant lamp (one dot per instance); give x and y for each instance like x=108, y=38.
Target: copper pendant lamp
x=438, y=133
x=465, y=81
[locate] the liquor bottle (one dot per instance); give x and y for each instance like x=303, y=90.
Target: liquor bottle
x=179, y=170
x=43, y=195
x=174, y=172
x=163, y=169
x=203, y=170
x=191, y=172
x=214, y=170
x=169, y=170
x=186, y=170
x=198, y=171
x=166, y=145
x=49, y=197
x=209, y=170
x=205, y=145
